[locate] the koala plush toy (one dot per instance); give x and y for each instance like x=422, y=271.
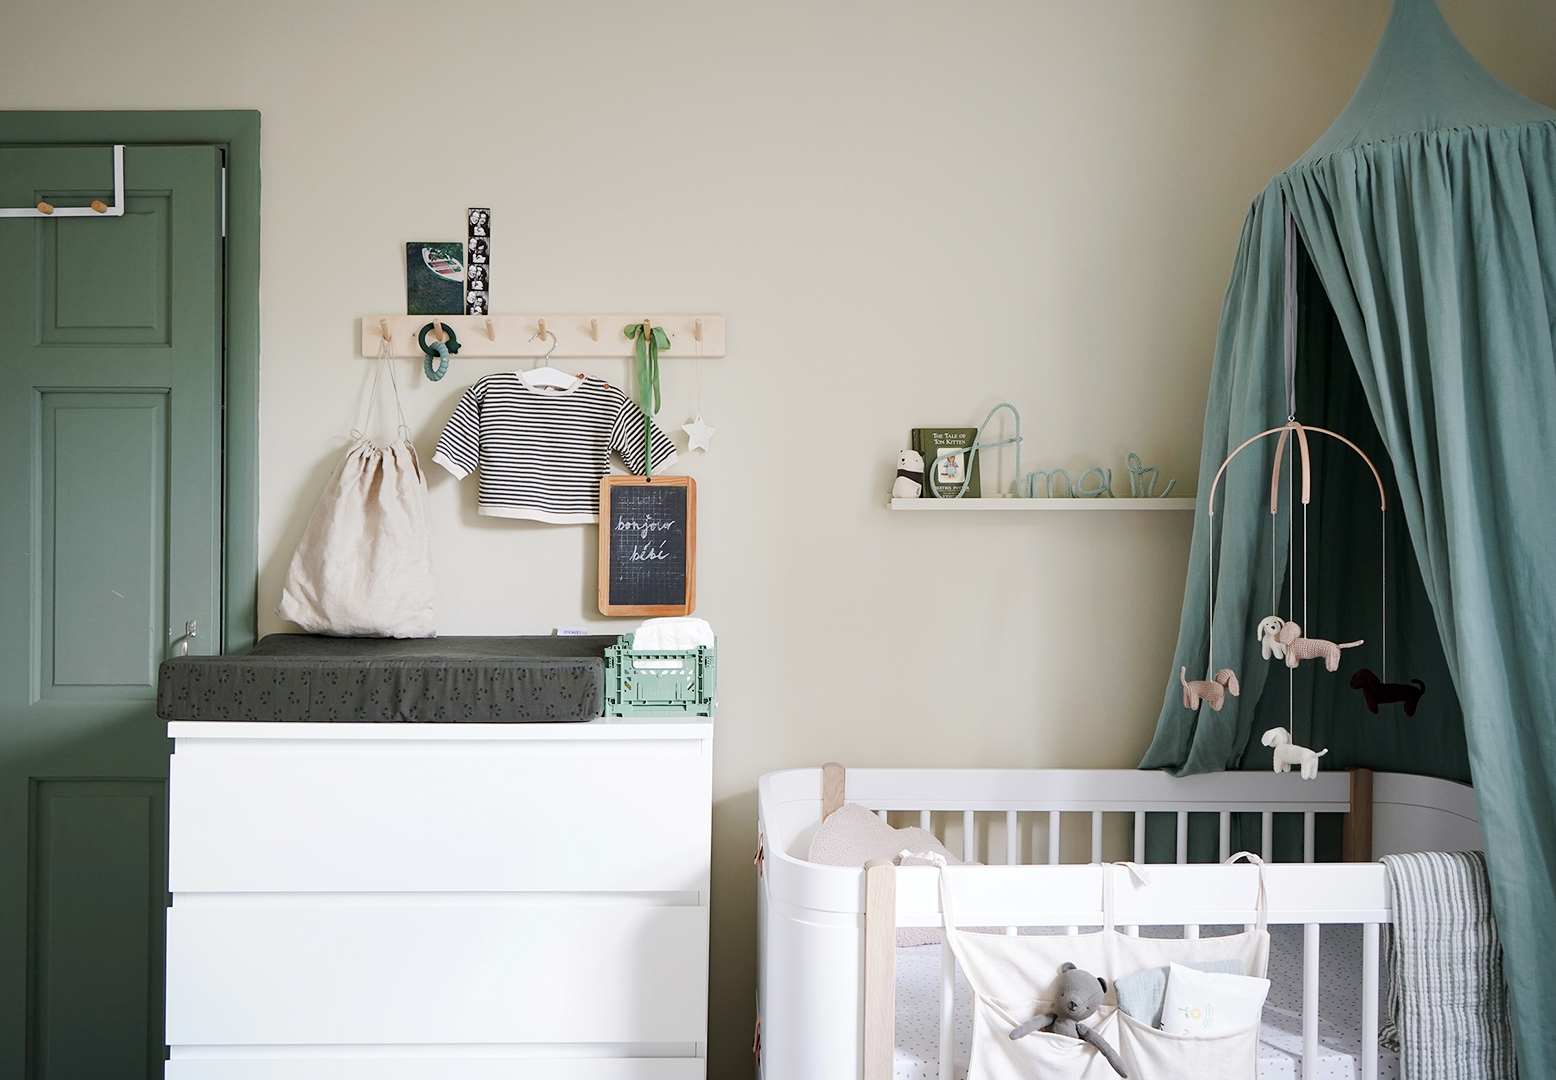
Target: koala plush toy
x=1077, y=997
x=910, y=475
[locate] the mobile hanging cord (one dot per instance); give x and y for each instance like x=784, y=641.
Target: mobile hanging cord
x=649, y=340
x=1291, y=314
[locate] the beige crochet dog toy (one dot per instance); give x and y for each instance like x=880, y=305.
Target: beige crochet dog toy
x=1299, y=648
x=1213, y=692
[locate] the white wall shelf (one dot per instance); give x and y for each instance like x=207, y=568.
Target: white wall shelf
x=1008, y=503
x=576, y=336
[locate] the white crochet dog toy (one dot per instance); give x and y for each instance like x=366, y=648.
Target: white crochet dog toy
x=1268, y=627
x=909, y=482
x=1288, y=753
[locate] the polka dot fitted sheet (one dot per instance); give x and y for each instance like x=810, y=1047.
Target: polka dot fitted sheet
x=1280, y=1051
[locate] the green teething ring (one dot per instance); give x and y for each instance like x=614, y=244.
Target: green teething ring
x=438, y=351
x=453, y=340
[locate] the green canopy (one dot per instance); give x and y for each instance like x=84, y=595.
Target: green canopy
x=1424, y=259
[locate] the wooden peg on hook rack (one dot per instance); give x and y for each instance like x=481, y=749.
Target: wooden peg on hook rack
x=541, y=333
x=383, y=328
x=438, y=331
x=648, y=328
x=491, y=331
x=594, y=329
x=697, y=330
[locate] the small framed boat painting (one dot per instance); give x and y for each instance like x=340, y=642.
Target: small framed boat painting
x=435, y=277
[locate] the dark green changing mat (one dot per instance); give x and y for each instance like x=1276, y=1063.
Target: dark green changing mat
x=446, y=680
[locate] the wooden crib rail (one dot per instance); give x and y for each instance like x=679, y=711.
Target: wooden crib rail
x=1103, y=791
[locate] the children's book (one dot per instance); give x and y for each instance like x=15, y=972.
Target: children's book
x=945, y=472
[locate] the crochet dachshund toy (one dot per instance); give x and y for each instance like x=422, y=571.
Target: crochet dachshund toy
x=1299, y=648
x=1376, y=692
x=1212, y=692
x=1079, y=994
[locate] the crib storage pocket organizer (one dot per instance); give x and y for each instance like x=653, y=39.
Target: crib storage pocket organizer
x=659, y=682
x=1012, y=977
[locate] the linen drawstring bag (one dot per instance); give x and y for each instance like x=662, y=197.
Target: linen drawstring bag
x=364, y=565
x=1012, y=979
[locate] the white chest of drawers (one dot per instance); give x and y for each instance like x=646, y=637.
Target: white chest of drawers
x=439, y=902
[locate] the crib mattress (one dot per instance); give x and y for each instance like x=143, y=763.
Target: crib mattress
x=471, y=680
x=1280, y=1051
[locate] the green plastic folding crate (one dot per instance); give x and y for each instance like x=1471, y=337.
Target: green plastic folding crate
x=659, y=682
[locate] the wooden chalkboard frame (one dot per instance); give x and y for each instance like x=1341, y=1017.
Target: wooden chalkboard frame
x=607, y=486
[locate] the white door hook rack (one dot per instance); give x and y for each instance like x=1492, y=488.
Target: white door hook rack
x=572, y=336
x=97, y=209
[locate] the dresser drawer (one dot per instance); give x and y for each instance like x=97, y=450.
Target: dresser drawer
x=420, y=817
x=430, y=1066
x=457, y=973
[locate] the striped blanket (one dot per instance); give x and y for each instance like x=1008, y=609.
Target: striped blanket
x=1447, y=1001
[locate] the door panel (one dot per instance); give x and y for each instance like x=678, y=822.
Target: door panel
x=97, y=931
x=106, y=281
x=110, y=384
x=104, y=458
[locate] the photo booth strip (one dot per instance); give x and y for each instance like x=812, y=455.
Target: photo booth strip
x=478, y=250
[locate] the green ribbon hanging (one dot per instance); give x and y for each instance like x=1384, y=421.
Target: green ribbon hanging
x=648, y=345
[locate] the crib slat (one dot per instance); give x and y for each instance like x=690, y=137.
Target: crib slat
x=947, y=1011
x=1225, y=846
x=1053, y=838
x=1096, y=836
x=881, y=814
x=1183, y=836
x=1310, y=1002
x=1012, y=850
x=969, y=836
x=923, y=821
x=1369, y=1069
x=1139, y=836
x=1308, y=817
x=1267, y=836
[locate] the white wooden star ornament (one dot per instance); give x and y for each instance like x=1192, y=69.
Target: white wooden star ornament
x=698, y=434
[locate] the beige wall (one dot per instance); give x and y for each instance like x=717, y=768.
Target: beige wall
x=907, y=211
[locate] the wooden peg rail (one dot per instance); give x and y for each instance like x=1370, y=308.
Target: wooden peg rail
x=577, y=336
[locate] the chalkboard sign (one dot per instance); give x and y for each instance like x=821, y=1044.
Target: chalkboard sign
x=648, y=545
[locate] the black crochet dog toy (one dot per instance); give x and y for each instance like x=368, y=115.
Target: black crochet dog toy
x=1079, y=994
x=1376, y=692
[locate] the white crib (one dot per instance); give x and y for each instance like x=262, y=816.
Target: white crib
x=827, y=979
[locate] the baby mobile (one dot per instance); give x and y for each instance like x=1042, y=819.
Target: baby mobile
x=1284, y=639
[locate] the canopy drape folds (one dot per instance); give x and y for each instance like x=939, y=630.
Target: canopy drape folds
x=1429, y=213
x=1438, y=253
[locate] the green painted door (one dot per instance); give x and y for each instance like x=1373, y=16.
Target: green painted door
x=110, y=509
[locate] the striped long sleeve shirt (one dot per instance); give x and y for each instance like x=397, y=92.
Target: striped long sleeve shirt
x=542, y=453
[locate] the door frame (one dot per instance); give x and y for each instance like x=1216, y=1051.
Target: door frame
x=236, y=132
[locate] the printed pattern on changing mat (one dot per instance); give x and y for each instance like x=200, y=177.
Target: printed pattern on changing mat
x=313, y=691
x=917, y=1054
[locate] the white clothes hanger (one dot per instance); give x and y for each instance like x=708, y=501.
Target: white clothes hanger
x=545, y=376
